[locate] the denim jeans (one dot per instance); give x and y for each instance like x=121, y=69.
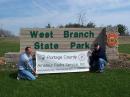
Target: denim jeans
x=25, y=74
x=102, y=63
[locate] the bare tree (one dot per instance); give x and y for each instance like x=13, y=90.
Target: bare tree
x=5, y=33
x=91, y=25
x=81, y=18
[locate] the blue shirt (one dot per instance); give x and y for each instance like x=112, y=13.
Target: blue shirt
x=24, y=59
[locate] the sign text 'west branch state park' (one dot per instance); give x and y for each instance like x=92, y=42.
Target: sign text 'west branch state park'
x=66, y=34
x=66, y=39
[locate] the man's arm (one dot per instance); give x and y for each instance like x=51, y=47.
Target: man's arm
x=30, y=66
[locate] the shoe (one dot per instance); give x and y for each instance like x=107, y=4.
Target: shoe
x=101, y=71
x=36, y=75
x=18, y=77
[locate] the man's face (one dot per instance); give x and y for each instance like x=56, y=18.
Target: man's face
x=98, y=47
x=29, y=51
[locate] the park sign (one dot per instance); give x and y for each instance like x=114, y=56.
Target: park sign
x=71, y=39
x=66, y=39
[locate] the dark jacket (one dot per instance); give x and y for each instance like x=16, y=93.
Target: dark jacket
x=96, y=54
x=94, y=58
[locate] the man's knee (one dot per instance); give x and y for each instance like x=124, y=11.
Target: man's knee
x=101, y=60
x=33, y=78
x=29, y=75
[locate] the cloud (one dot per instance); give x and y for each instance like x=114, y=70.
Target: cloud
x=5, y=1
x=38, y=13
x=92, y=6
x=95, y=3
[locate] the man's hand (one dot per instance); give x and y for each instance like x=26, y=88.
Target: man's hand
x=89, y=53
x=34, y=72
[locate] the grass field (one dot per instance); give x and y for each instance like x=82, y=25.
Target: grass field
x=111, y=83
x=9, y=45
x=124, y=48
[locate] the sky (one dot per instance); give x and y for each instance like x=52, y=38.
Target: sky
x=17, y=14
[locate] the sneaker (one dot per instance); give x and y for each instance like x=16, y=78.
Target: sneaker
x=18, y=77
x=101, y=71
x=36, y=75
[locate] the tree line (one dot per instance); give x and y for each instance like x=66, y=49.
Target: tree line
x=122, y=29
x=5, y=33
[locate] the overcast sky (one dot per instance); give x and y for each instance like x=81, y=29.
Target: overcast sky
x=16, y=14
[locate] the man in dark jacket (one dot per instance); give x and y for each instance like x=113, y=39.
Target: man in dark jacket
x=98, y=59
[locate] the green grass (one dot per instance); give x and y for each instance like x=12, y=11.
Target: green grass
x=124, y=48
x=9, y=45
x=111, y=83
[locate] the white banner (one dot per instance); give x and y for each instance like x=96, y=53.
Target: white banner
x=59, y=62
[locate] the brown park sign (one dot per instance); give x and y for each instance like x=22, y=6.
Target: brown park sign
x=67, y=39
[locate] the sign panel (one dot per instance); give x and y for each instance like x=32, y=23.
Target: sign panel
x=70, y=39
x=65, y=39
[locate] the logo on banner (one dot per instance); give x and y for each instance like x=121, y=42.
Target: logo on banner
x=112, y=39
x=81, y=57
x=41, y=57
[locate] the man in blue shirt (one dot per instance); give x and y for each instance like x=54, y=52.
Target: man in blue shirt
x=26, y=66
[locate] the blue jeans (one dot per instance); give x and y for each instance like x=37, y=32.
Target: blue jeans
x=102, y=64
x=25, y=74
